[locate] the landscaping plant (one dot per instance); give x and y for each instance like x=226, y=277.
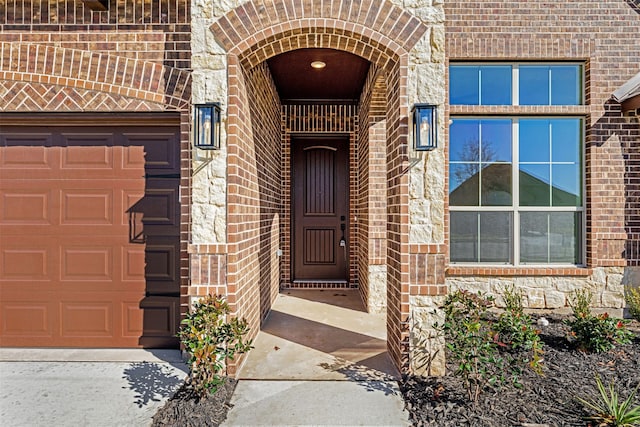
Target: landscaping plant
x=632, y=296
x=595, y=333
x=211, y=339
x=470, y=342
x=515, y=331
x=608, y=408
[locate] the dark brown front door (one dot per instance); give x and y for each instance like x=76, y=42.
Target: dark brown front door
x=89, y=235
x=321, y=211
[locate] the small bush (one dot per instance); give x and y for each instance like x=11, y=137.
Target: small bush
x=470, y=341
x=211, y=340
x=515, y=331
x=632, y=295
x=592, y=333
x=608, y=408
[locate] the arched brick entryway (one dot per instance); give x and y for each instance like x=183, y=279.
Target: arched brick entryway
x=379, y=32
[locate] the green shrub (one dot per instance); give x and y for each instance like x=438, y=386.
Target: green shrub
x=211, y=340
x=515, y=330
x=470, y=341
x=632, y=295
x=608, y=408
x=592, y=333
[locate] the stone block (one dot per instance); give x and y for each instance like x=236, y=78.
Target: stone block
x=534, y=298
x=614, y=283
x=612, y=299
x=427, y=345
x=555, y=299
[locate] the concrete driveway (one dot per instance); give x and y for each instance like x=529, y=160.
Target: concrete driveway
x=86, y=387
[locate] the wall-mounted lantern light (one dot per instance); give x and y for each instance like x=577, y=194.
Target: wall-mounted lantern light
x=425, y=125
x=207, y=126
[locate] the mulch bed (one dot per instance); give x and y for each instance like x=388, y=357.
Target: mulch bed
x=542, y=400
x=186, y=409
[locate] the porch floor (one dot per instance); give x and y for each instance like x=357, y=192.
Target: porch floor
x=320, y=335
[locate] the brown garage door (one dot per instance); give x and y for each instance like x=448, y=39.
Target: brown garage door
x=89, y=235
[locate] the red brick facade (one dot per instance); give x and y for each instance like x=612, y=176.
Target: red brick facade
x=136, y=57
x=603, y=36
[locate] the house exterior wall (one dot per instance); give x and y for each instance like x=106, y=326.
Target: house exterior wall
x=59, y=56
x=602, y=36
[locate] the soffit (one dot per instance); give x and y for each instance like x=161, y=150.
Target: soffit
x=340, y=80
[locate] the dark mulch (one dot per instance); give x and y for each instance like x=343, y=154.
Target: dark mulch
x=548, y=399
x=186, y=409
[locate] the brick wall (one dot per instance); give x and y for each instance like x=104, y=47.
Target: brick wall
x=254, y=197
x=371, y=199
x=604, y=36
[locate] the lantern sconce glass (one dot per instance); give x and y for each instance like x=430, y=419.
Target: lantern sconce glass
x=425, y=126
x=207, y=126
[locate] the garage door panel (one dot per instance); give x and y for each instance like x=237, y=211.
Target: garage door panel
x=25, y=150
x=24, y=263
x=88, y=263
x=25, y=206
x=160, y=154
x=88, y=154
x=90, y=247
x=86, y=318
x=93, y=207
x=133, y=263
x=160, y=322
x=27, y=317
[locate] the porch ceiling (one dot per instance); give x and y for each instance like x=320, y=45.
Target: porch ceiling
x=341, y=79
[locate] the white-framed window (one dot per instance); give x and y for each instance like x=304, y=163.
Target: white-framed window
x=516, y=84
x=516, y=183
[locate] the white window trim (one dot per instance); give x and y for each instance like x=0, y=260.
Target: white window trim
x=515, y=207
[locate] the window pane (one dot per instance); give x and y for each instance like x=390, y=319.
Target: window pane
x=464, y=236
x=534, y=237
x=567, y=185
x=464, y=140
x=535, y=182
x=463, y=85
x=464, y=181
x=550, y=237
x=565, y=136
x=496, y=141
x=495, y=85
x=565, y=85
x=534, y=85
x=495, y=237
x=496, y=184
x=533, y=142
x=564, y=237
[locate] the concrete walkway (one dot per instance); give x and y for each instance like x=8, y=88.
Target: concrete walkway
x=320, y=359
x=86, y=387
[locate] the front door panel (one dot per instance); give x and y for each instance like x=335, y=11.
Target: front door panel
x=320, y=205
